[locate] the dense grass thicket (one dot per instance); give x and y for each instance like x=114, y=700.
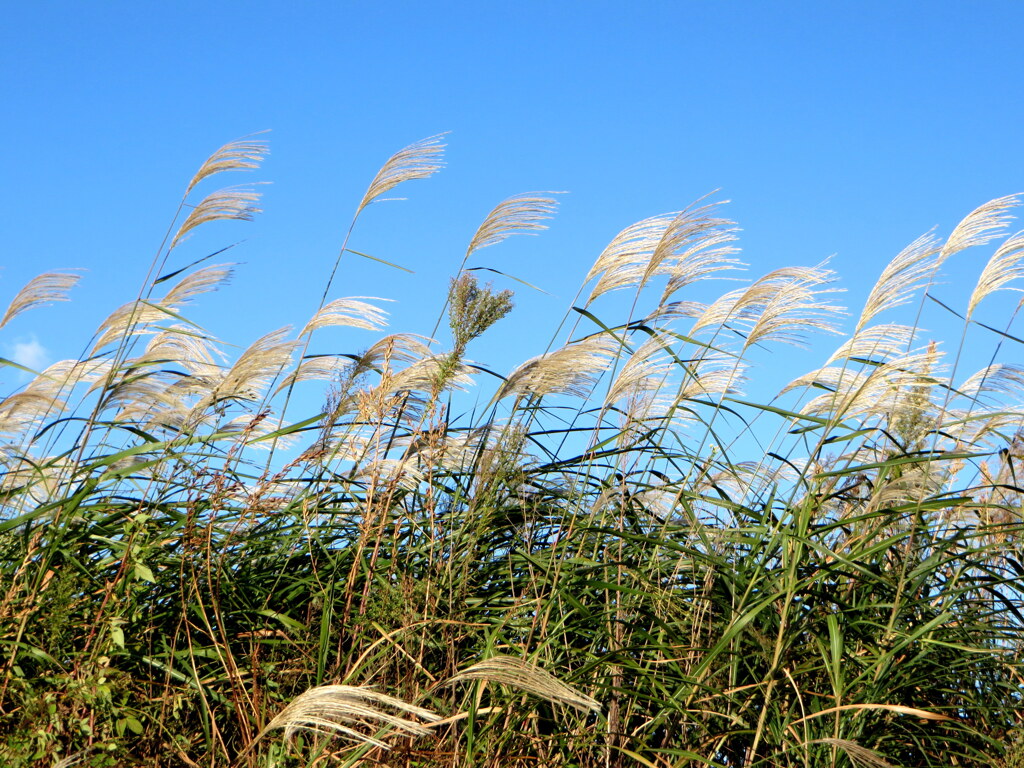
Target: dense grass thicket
x=607, y=557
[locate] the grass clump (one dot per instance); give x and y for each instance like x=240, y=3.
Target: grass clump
x=614, y=558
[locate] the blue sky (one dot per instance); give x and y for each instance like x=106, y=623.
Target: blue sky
x=843, y=129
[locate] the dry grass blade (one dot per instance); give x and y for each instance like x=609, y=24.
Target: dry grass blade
x=43, y=289
x=349, y=312
x=233, y=203
x=1004, y=266
x=859, y=756
x=517, y=673
x=417, y=161
x=571, y=370
x=897, y=708
x=520, y=214
x=980, y=226
x=901, y=278
x=341, y=709
x=241, y=155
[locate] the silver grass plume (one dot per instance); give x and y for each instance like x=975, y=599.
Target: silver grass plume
x=790, y=306
x=342, y=709
x=139, y=392
x=996, y=379
x=623, y=261
x=31, y=480
x=691, y=248
x=417, y=161
x=452, y=451
x=321, y=367
x=647, y=369
x=987, y=428
x=687, y=246
x=712, y=375
x=876, y=342
x=981, y=225
x=233, y=203
x=858, y=755
x=521, y=674
x=42, y=289
x=570, y=370
x=249, y=430
x=135, y=317
x=402, y=347
x=241, y=155
x=198, y=282
x=1006, y=265
x=520, y=214
x=780, y=306
x=351, y=312
x=709, y=255
x=427, y=374
x=751, y=479
x=254, y=369
x=392, y=472
x=886, y=390
x=42, y=397
x=901, y=278
x=673, y=310
x=26, y=410
x=187, y=348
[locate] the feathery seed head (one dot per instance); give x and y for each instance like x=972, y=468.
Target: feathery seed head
x=521, y=214
x=42, y=289
x=981, y=225
x=233, y=203
x=417, y=161
x=1006, y=265
x=342, y=709
x=352, y=312
x=901, y=278
x=241, y=155
x=201, y=281
x=571, y=370
x=521, y=674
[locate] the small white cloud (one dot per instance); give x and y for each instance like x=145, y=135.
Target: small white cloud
x=29, y=352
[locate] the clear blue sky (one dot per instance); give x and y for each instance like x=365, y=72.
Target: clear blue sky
x=834, y=128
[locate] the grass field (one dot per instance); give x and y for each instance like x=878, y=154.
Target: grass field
x=591, y=568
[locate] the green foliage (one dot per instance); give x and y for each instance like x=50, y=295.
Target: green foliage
x=622, y=560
